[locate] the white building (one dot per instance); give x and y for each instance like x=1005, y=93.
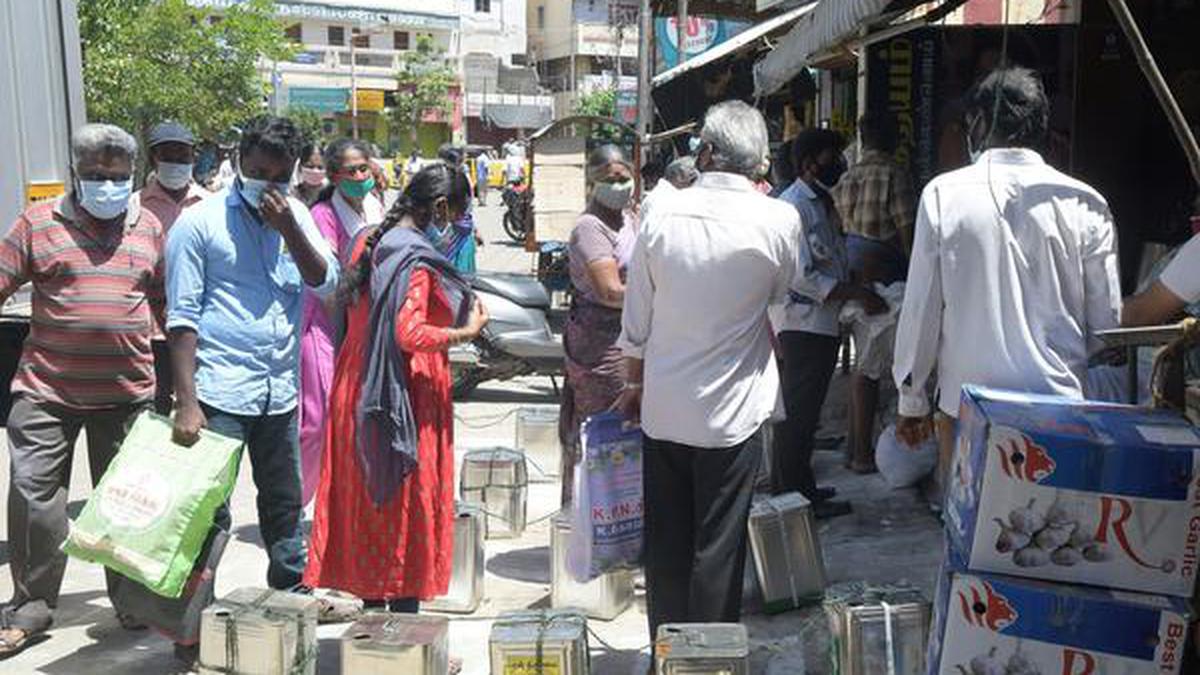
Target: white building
x=580, y=46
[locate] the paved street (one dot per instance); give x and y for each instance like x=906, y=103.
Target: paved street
x=889, y=537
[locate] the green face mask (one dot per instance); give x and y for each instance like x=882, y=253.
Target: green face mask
x=356, y=189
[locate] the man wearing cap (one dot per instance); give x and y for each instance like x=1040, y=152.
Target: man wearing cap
x=168, y=191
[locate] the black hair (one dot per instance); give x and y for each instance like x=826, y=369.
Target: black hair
x=810, y=143
x=275, y=136
x=449, y=154
x=431, y=183
x=332, y=157
x=879, y=131
x=1011, y=102
x=308, y=150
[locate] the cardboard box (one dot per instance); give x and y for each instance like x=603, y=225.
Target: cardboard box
x=995, y=624
x=1088, y=493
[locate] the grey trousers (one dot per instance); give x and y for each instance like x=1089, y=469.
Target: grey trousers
x=41, y=442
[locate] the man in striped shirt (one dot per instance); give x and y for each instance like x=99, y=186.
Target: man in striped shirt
x=95, y=261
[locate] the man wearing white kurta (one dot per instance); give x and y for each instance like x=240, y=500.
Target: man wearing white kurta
x=1014, y=269
x=1177, y=287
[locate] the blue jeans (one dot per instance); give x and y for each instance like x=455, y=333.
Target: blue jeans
x=273, y=444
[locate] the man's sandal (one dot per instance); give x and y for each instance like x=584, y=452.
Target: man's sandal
x=17, y=631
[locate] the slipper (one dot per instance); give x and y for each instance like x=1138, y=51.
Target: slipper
x=130, y=622
x=18, y=631
x=337, y=607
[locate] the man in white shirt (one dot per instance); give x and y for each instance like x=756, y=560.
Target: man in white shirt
x=1176, y=288
x=707, y=264
x=1014, y=268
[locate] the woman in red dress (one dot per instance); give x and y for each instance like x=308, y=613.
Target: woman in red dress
x=384, y=523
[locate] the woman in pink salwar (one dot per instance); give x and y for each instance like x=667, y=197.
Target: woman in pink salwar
x=344, y=207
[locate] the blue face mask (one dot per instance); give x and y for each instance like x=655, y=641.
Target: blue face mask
x=252, y=188
x=104, y=199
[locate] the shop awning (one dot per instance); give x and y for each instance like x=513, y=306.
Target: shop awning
x=517, y=116
x=741, y=41
x=831, y=23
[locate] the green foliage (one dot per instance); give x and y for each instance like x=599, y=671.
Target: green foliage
x=601, y=103
x=149, y=60
x=423, y=83
x=309, y=121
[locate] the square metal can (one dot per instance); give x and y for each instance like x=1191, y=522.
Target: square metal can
x=466, y=576
x=786, y=552
x=385, y=643
x=256, y=631
x=537, y=437
x=702, y=649
x=539, y=642
x=603, y=598
x=878, y=629
x=497, y=480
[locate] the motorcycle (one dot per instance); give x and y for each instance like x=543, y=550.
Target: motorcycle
x=517, y=340
x=516, y=202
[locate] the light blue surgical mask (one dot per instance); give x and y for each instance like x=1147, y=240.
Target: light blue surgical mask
x=104, y=199
x=173, y=176
x=252, y=189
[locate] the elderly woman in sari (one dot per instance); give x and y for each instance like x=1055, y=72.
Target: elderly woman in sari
x=599, y=251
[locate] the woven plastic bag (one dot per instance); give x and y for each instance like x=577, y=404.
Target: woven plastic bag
x=150, y=515
x=607, y=519
x=902, y=465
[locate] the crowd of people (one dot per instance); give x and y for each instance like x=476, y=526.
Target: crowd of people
x=293, y=311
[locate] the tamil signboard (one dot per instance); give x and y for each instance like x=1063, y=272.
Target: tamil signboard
x=319, y=99
x=350, y=14
x=369, y=100
x=701, y=35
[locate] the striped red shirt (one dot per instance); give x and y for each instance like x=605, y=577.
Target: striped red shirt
x=97, y=299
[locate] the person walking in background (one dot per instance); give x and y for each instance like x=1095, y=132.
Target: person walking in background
x=874, y=199
x=310, y=177
x=807, y=323
x=343, y=209
x=411, y=167
x=168, y=191
x=598, y=253
x=706, y=265
x=483, y=167
x=1014, y=268
x=94, y=258
x=237, y=266
x=384, y=519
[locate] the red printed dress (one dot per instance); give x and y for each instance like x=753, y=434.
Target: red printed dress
x=404, y=548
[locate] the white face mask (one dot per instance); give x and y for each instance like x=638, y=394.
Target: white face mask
x=613, y=196
x=312, y=177
x=252, y=188
x=104, y=199
x=173, y=176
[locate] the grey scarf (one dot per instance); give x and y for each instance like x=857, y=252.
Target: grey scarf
x=386, y=442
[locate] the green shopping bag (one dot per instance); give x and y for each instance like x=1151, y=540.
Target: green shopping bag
x=151, y=512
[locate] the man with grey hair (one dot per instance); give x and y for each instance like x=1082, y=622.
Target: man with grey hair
x=95, y=259
x=708, y=262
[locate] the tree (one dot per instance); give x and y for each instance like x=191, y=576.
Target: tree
x=600, y=103
x=145, y=61
x=309, y=122
x=423, y=82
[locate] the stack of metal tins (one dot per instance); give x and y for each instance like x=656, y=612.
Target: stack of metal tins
x=255, y=631
x=497, y=480
x=466, y=577
x=603, y=598
x=537, y=437
x=695, y=648
x=786, y=552
x=540, y=641
x=878, y=629
x=383, y=643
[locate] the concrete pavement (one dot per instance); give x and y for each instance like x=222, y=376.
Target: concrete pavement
x=888, y=538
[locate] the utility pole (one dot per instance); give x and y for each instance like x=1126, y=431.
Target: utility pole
x=681, y=31
x=353, y=87
x=645, y=102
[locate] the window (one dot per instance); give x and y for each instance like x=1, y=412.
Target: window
x=484, y=6
x=337, y=36
x=361, y=40
x=541, y=17
x=400, y=41
x=292, y=32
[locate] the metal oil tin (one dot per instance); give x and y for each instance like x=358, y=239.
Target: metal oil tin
x=255, y=631
x=786, y=551
x=702, y=649
x=603, y=598
x=383, y=644
x=466, y=576
x=537, y=437
x=497, y=480
x=541, y=642
x=872, y=626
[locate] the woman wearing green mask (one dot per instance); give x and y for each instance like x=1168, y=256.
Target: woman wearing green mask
x=344, y=207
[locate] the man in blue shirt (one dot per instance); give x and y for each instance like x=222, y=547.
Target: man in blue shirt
x=237, y=266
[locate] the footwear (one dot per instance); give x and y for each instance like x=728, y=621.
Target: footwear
x=130, y=622
x=862, y=468
x=18, y=631
x=188, y=655
x=831, y=509
x=824, y=494
x=337, y=607
x=828, y=442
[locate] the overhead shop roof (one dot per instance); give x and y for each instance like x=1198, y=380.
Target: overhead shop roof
x=834, y=22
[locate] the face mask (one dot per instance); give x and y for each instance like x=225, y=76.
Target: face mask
x=613, y=196
x=312, y=177
x=252, y=188
x=104, y=199
x=356, y=189
x=173, y=176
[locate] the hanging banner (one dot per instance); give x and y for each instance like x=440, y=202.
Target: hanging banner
x=702, y=34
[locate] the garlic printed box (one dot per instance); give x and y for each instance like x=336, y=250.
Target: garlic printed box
x=1079, y=492
x=997, y=625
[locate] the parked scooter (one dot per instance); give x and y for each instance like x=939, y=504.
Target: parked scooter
x=517, y=340
x=516, y=197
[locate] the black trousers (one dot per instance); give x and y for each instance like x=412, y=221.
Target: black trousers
x=809, y=360
x=697, y=504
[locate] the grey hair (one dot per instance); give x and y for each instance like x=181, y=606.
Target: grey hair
x=91, y=140
x=737, y=134
x=681, y=171
x=601, y=157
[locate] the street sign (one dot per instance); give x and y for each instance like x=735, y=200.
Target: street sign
x=320, y=99
x=370, y=100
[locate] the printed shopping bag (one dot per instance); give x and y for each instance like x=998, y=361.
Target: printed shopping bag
x=151, y=513
x=606, y=531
